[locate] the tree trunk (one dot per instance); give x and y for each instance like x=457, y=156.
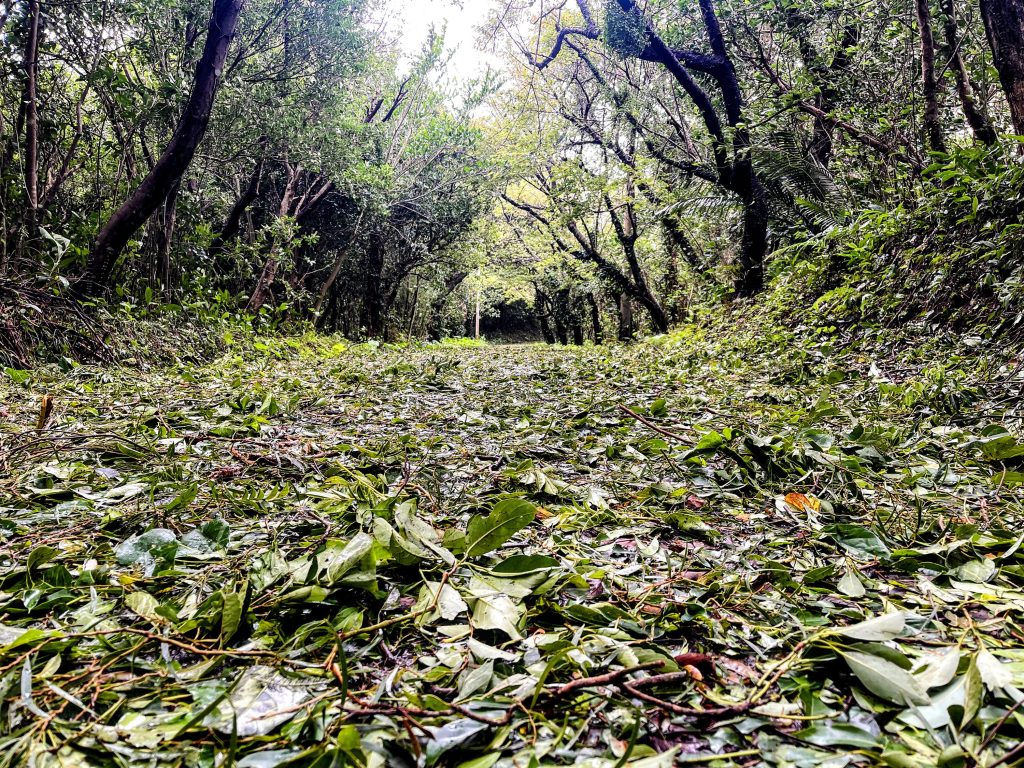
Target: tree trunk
x=263, y=292
x=626, y=329
x=544, y=315
x=559, y=312
x=1004, y=26
x=754, y=244
x=264, y=288
x=976, y=118
x=31, y=107
x=339, y=263
x=178, y=154
x=576, y=322
x=625, y=232
x=595, y=319
x=373, y=298
x=929, y=84
x=165, y=238
x=438, y=304
x=233, y=223
x=824, y=75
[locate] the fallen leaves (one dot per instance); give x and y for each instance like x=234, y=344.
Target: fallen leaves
x=482, y=557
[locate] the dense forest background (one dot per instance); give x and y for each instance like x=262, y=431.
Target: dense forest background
x=847, y=162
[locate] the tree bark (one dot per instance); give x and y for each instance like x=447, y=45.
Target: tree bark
x=542, y=306
x=595, y=319
x=754, y=245
x=233, y=223
x=165, y=238
x=626, y=329
x=31, y=107
x=176, y=157
x=929, y=84
x=262, y=292
x=1004, y=27
x=339, y=262
x=576, y=322
x=976, y=118
x=625, y=232
x=373, y=293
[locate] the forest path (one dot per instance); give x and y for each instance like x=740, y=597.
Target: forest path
x=196, y=549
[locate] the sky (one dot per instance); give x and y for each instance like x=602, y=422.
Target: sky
x=411, y=20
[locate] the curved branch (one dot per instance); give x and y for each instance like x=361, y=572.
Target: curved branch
x=591, y=31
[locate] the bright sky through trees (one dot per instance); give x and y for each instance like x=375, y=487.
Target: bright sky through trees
x=411, y=21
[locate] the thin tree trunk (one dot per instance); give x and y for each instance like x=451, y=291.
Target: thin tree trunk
x=178, y=154
x=263, y=290
x=332, y=278
x=626, y=329
x=438, y=304
x=544, y=315
x=1004, y=26
x=625, y=232
x=976, y=118
x=412, y=314
x=373, y=299
x=595, y=319
x=233, y=223
x=31, y=105
x=576, y=323
x=929, y=84
x=166, y=238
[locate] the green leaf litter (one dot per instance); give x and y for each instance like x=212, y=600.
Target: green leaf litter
x=730, y=551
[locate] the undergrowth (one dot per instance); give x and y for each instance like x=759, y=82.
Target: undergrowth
x=950, y=259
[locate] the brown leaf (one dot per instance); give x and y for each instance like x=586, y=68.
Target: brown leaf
x=45, y=411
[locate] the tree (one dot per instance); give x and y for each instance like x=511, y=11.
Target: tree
x=31, y=111
x=975, y=115
x=1004, y=26
x=929, y=82
x=178, y=154
x=732, y=153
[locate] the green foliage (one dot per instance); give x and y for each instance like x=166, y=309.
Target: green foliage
x=947, y=260
x=624, y=32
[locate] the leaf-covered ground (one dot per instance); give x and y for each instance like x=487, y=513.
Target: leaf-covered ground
x=738, y=552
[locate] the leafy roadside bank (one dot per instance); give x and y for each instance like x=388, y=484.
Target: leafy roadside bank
x=949, y=260
x=718, y=548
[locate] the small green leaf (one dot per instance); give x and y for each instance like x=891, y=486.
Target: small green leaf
x=41, y=556
x=878, y=629
x=508, y=517
x=885, y=679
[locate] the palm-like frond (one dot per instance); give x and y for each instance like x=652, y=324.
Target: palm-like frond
x=800, y=189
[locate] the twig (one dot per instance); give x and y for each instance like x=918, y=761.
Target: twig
x=399, y=619
x=605, y=679
x=649, y=424
x=177, y=643
x=736, y=709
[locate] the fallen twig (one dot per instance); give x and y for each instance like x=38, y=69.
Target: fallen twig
x=650, y=425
